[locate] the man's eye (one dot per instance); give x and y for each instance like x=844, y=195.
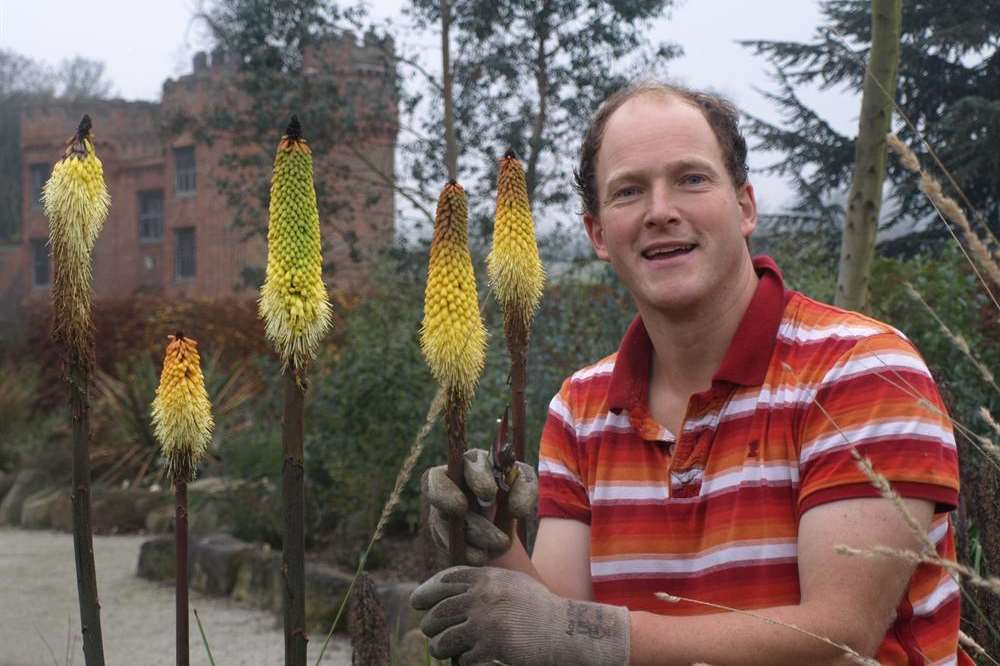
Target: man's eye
x=626, y=192
x=694, y=179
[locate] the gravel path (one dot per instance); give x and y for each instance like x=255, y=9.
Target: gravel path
x=40, y=615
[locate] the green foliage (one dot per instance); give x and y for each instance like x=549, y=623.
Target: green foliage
x=368, y=399
x=807, y=258
x=25, y=429
x=948, y=285
x=254, y=452
x=254, y=511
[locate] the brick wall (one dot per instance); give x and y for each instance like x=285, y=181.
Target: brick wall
x=137, y=158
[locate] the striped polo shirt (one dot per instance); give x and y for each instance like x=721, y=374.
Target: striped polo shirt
x=712, y=512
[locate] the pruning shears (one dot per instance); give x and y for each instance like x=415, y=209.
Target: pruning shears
x=502, y=455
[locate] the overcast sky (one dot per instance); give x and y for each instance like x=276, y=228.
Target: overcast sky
x=142, y=42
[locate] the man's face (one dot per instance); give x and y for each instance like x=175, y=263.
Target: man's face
x=669, y=219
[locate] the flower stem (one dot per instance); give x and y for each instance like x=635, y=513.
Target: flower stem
x=455, y=425
x=83, y=541
x=181, y=555
x=517, y=342
x=293, y=491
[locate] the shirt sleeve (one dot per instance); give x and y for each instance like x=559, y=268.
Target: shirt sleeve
x=879, y=399
x=562, y=492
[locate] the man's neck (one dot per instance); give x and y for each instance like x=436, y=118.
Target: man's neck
x=688, y=348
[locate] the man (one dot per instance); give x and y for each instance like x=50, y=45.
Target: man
x=715, y=456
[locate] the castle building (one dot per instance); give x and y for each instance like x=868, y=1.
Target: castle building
x=170, y=230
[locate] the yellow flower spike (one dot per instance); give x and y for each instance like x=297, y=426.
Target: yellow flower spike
x=514, y=268
x=76, y=202
x=452, y=335
x=293, y=301
x=182, y=413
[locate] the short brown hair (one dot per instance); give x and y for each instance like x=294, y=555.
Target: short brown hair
x=721, y=115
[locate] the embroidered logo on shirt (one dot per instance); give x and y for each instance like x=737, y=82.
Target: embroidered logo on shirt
x=686, y=482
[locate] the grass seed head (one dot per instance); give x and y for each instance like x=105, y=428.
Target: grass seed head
x=452, y=335
x=182, y=413
x=515, y=270
x=294, y=302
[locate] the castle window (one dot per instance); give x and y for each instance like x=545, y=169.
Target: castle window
x=40, y=261
x=184, y=263
x=150, y=215
x=184, y=170
x=39, y=174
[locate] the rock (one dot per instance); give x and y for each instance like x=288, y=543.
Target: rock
x=215, y=560
x=27, y=482
x=257, y=579
x=6, y=481
x=216, y=504
x=213, y=485
x=42, y=509
x=157, y=560
x=61, y=512
x=116, y=510
x=412, y=650
x=325, y=590
x=400, y=617
x=206, y=515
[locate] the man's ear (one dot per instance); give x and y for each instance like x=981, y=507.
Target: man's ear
x=596, y=233
x=747, y=201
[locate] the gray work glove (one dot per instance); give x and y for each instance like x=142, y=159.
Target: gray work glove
x=487, y=615
x=483, y=539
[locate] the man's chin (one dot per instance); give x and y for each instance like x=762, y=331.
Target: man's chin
x=678, y=304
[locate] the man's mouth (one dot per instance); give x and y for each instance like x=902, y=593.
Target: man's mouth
x=667, y=252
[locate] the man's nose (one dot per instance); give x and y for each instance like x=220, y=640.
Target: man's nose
x=661, y=208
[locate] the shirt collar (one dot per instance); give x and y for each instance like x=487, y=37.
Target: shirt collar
x=745, y=362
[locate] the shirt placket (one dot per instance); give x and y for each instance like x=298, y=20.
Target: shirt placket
x=687, y=465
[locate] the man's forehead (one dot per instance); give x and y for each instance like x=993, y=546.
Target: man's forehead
x=667, y=117
x=650, y=103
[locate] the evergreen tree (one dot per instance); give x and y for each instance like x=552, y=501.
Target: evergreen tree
x=949, y=86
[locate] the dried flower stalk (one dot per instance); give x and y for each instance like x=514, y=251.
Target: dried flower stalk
x=76, y=202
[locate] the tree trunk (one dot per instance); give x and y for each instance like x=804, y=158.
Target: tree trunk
x=865, y=202
x=451, y=143
x=541, y=118
x=293, y=494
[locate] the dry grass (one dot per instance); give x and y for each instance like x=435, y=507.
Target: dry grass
x=977, y=649
x=990, y=421
x=848, y=651
x=956, y=339
x=949, y=210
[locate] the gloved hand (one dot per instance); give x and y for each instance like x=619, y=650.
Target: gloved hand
x=487, y=615
x=483, y=540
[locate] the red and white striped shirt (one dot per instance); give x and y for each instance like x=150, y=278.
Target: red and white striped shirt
x=713, y=514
